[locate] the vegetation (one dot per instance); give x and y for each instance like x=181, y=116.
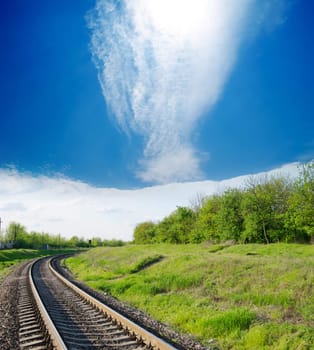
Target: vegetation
x=268, y=209
x=11, y=257
x=248, y=296
x=17, y=237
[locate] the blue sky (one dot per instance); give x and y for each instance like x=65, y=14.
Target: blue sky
x=106, y=104
x=55, y=119
x=53, y=115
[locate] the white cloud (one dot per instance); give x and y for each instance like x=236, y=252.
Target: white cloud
x=163, y=63
x=171, y=166
x=69, y=207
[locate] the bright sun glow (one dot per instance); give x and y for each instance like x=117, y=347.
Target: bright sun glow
x=163, y=65
x=177, y=17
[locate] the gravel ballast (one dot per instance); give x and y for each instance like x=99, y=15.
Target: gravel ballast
x=178, y=340
x=9, y=327
x=9, y=290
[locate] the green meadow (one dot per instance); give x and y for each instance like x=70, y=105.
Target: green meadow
x=228, y=297
x=11, y=257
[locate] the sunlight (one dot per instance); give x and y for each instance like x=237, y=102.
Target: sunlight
x=177, y=17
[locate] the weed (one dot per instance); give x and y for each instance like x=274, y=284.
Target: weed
x=229, y=321
x=146, y=262
x=11, y=257
x=244, y=296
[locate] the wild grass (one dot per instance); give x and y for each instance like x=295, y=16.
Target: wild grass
x=145, y=263
x=10, y=257
x=240, y=297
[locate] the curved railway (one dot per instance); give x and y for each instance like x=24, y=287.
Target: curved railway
x=55, y=314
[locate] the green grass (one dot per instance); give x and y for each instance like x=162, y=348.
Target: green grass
x=10, y=257
x=146, y=262
x=243, y=297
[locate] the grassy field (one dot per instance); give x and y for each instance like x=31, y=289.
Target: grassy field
x=238, y=297
x=10, y=257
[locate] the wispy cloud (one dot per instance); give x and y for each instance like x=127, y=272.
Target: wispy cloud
x=69, y=207
x=163, y=63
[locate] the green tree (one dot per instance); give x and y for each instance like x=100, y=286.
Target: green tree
x=279, y=190
x=206, y=223
x=229, y=222
x=264, y=205
x=74, y=241
x=35, y=239
x=17, y=234
x=269, y=209
x=96, y=242
x=255, y=210
x=166, y=230
x=177, y=227
x=144, y=233
x=300, y=212
x=184, y=223
x=113, y=243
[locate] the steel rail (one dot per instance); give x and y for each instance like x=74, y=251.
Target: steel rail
x=141, y=333
x=55, y=337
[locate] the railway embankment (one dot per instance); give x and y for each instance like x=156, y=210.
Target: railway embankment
x=235, y=297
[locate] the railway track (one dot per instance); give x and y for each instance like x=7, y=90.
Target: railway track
x=55, y=314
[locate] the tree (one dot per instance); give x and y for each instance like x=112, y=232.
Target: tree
x=177, y=227
x=198, y=201
x=264, y=204
x=96, y=242
x=17, y=234
x=184, y=223
x=206, y=223
x=144, y=233
x=165, y=232
x=279, y=190
x=229, y=215
x=300, y=212
x=269, y=209
x=35, y=239
x=255, y=209
x=113, y=243
x=74, y=241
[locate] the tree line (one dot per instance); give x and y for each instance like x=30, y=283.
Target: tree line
x=16, y=236
x=266, y=210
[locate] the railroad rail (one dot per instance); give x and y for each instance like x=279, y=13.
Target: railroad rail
x=56, y=314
